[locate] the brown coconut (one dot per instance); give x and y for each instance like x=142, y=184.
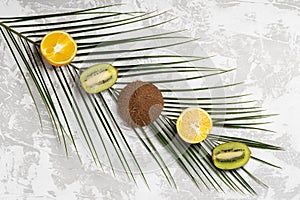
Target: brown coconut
x=140, y=103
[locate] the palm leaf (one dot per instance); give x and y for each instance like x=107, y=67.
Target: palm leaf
x=70, y=109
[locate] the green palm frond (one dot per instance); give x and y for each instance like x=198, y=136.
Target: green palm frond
x=70, y=109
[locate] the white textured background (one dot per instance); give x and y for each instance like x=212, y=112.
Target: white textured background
x=261, y=38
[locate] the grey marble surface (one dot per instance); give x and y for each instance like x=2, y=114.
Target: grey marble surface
x=259, y=37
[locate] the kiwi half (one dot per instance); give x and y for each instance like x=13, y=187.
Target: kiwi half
x=98, y=78
x=231, y=155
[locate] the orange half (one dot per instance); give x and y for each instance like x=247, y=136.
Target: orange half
x=58, y=48
x=193, y=125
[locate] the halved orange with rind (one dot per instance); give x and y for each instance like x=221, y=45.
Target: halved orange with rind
x=58, y=48
x=193, y=125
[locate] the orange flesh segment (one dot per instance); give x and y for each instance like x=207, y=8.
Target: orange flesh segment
x=58, y=48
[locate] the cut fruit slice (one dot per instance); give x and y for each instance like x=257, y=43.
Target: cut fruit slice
x=98, y=78
x=58, y=48
x=193, y=125
x=231, y=155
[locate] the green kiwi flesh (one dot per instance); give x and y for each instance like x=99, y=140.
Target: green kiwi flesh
x=98, y=78
x=231, y=155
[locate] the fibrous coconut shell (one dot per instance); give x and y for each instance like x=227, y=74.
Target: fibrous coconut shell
x=140, y=103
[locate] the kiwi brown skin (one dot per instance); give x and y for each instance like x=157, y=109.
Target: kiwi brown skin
x=231, y=155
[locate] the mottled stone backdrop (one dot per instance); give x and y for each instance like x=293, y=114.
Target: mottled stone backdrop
x=259, y=37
